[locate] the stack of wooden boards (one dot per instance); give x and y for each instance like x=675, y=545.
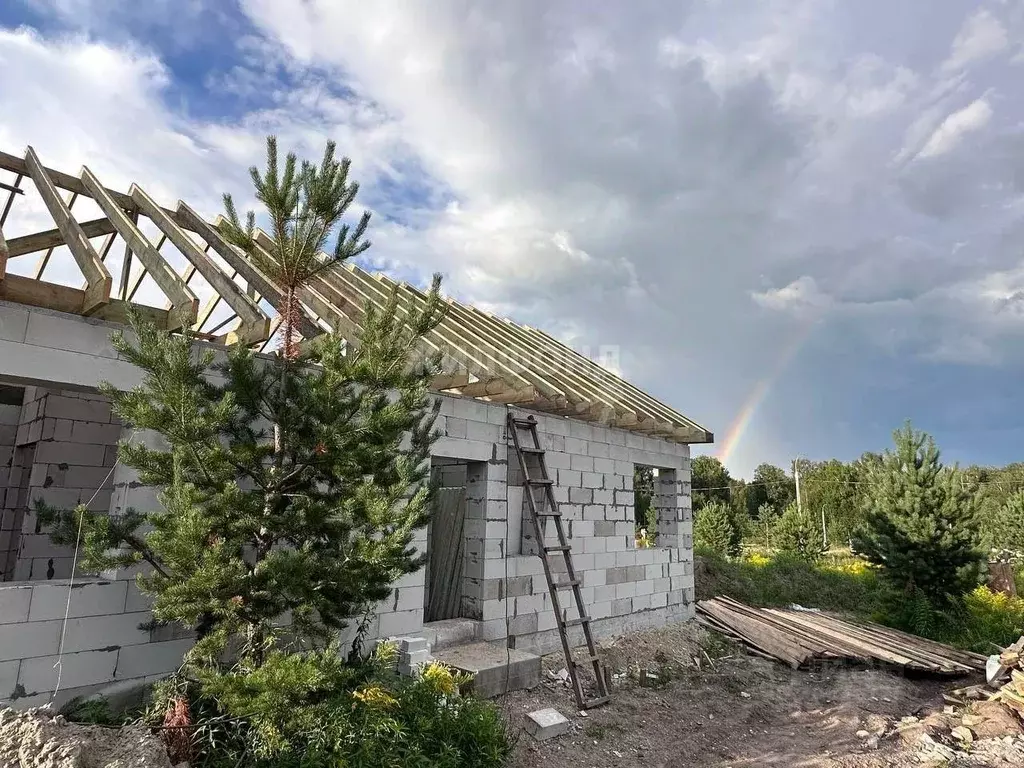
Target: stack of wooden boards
x=1010, y=671
x=803, y=638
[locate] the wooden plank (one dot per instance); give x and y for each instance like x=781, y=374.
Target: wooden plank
x=4, y=255
x=357, y=283
x=771, y=639
x=95, y=272
x=52, y=238
x=63, y=180
x=184, y=304
x=254, y=323
x=64, y=298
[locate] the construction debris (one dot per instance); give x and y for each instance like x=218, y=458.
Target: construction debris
x=803, y=638
x=545, y=724
x=1009, y=678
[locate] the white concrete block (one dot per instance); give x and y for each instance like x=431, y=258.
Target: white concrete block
x=23, y=641
x=546, y=724
x=151, y=658
x=88, y=598
x=77, y=669
x=401, y=623
x=470, y=450
x=8, y=678
x=580, y=462
x=14, y=603
x=94, y=633
x=13, y=322
x=593, y=480
x=576, y=446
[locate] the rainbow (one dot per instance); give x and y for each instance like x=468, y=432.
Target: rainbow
x=760, y=391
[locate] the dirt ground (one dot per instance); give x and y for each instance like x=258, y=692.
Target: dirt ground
x=705, y=703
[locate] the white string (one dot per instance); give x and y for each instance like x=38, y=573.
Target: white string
x=59, y=665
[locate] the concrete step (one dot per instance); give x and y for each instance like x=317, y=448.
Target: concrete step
x=496, y=669
x=450, y=633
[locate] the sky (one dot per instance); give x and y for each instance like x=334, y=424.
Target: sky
x=798, y=222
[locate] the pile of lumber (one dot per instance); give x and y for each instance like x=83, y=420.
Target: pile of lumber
x=1007, y=672
x=805, y=638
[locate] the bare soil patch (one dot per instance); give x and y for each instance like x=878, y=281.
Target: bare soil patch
x=682, y=697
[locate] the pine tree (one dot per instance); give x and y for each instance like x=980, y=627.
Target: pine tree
x=1007, y=527
x=920, y=520
x=796, y=534
x=713, y=530
x=291, y=487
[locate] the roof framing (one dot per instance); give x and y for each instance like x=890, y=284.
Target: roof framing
x=483, y=356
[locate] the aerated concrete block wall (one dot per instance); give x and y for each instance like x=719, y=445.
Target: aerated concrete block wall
x=64, y=450
x=102, y=643
x=623, y=587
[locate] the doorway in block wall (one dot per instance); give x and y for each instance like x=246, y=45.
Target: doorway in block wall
x=645, y=515
x=11, y=461
x=446, y=541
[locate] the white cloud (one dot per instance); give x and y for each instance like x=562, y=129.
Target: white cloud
x=956, y=126
x=622, y=179
x=981, y=36
x=798, y=297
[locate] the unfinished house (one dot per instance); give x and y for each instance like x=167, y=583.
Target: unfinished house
x=532, y=541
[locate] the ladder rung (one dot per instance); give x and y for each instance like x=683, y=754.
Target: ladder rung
x=524, y=422
x=548, y=513
x=567, y=584
x=591, y=703
x=576, y=622
x=530, y=449
x=558, y=548
x=539, y=481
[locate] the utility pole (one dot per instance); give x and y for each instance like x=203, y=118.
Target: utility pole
x=796, y=475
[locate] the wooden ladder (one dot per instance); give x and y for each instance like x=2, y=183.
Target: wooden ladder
x=550, y=510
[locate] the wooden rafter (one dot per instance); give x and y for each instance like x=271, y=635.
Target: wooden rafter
x=96, y=274
x=254, y=324
x=483, y=356
x=184, y=304
x=52, y=238
x=4, y=255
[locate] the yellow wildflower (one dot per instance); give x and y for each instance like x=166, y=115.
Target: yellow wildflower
x=439, y=678
x=375, y=697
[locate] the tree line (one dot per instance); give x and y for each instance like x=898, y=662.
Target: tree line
x=836, y=499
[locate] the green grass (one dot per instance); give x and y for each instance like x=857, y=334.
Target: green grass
x=981, y=621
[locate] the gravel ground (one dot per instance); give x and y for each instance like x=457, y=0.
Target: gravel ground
x=681, y=697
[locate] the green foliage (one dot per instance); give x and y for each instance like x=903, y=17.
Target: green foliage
x=772, y=486
x=305, y=203
x=978, y=621
x=710, y=481
x=645, y=515
x=765, y=523
x=831, y=584
x=292, y=486
x=312, y=710
x=798, y=535
x=1006, y=531
x=714, y=532
x=830, y=487
x=920, y=523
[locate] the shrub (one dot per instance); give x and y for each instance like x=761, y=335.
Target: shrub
x=783, y=580
x=714, y=532
x=316, y=711
x=796, y=534
x=920, y=524
x=1007, y=528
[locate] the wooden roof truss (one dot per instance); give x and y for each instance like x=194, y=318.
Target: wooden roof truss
x=484, y=357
